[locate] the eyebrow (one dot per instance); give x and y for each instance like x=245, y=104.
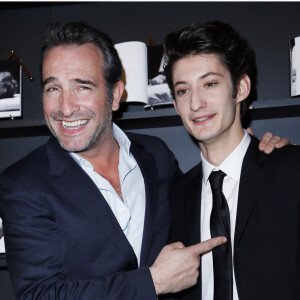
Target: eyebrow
x=81, y=81
x=48, y=80
x=201, y=77
x=77, y=80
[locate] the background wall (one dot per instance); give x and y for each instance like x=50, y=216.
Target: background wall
x=268, y=27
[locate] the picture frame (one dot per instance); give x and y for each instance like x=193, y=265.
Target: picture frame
x=10, y=89
x=159, y=93
x=2, y=246
x=142, y=73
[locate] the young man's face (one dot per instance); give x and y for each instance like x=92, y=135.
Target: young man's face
x=203, y=99
x=75, y=96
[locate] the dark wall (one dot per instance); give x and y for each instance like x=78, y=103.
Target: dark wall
x=268, y=27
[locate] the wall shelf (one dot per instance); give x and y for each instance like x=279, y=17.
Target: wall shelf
x=272, y=109
x=135, y=116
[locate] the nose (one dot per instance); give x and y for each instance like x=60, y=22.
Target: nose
x=68, y=103
x=197, y=100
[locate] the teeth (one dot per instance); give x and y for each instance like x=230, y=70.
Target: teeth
x=203, y=119
x=74, y=123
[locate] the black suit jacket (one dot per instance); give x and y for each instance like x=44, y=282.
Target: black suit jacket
x=267, y=233
x=62, y=239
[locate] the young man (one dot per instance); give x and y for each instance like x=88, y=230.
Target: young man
x=86, y=215
x=209, y=69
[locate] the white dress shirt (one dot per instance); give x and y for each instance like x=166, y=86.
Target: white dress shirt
x=130, y=212
x=232, y=166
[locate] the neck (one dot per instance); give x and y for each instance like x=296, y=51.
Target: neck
x=104, y=151
x=216, y=151
x=105, y=161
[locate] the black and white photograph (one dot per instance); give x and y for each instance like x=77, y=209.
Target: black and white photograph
x=295, y=66
x=143, y=74
x=158, y=89
x=2, y=248
x=10, y=89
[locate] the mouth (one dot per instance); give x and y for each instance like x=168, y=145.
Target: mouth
x=203, y=119
x=73, y=125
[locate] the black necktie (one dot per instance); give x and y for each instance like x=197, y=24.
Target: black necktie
x=220, y=226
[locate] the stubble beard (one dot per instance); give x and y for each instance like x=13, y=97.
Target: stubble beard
x=95, y=138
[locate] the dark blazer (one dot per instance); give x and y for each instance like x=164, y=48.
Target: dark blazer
x=267, y=233
x=62, y=239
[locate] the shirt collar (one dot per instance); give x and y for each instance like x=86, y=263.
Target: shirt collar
x=121, y=138
x=232, y=165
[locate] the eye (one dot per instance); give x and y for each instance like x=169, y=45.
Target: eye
x=51, y=91
x=210, y=84
x=181, y=92
x=82, y=89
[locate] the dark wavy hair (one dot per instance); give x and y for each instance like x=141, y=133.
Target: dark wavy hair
x=213, y=38
x=79, y=33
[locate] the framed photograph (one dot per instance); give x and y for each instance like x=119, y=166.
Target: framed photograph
x=2, y=248
x=143, y=74
x=158, y=89
x=295, y=66
x=10, y=89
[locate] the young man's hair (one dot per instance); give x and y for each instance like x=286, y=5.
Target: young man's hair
x=213, y=38
x=79, y=33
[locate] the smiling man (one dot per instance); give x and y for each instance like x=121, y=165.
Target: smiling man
x=236, y=191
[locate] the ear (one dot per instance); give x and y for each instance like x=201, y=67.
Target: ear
x=117, y=94
x=244, y=87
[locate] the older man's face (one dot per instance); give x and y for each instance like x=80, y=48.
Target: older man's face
x=75, y=96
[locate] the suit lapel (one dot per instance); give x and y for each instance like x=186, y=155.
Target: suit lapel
x=251, y=183
x=193, y=205
x=82, y=192
x=150, y=175
x=192, y=211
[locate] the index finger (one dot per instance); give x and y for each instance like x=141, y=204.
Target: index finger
x=208, y=245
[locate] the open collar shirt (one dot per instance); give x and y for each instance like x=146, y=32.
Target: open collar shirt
x=129, y=212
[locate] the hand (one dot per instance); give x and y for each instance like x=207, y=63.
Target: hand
x=176, y=267
x=270, y=141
